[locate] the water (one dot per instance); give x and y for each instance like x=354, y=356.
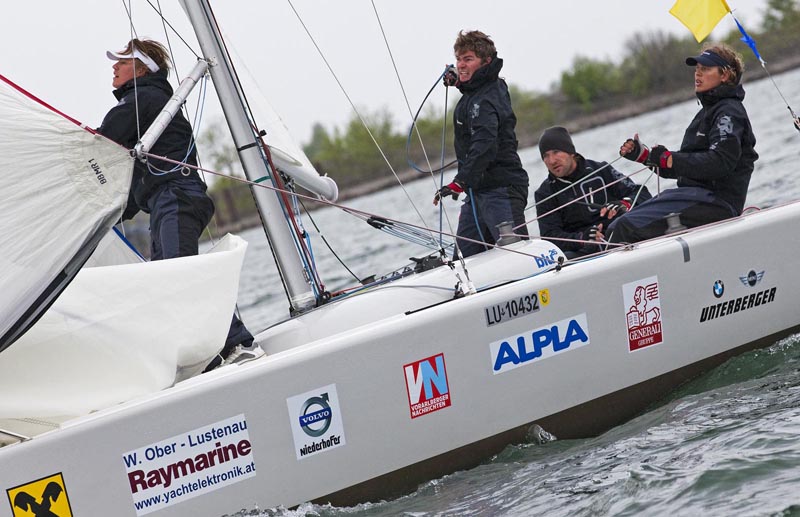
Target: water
x=726, y=444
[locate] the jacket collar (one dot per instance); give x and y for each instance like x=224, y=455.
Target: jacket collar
x=157, y=79
x=723, y=91
x=483, y=75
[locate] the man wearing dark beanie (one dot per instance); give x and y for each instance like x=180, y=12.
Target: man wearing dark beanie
x=579, y=196
x=557, y=138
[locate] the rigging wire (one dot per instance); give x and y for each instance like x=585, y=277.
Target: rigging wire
x=349, y=210
x=358, y=113
x=330, y=248
x=580, y=199
x=297, y=234
x=416, y=129
x=174, y=30
x=196, y=124
x=129, y=10
x=403, y=90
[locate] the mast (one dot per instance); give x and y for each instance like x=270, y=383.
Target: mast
x=284, y=248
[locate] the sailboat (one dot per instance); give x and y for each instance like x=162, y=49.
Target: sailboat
x=363, y=397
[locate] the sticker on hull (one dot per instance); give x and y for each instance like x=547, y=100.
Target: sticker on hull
x=426, y=385
x=189, y=464
x=316, y=420
x=538, y=344
x=643, y=313
x=516, y=307
x=46, y=497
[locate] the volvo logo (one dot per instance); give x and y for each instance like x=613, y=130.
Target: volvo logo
x=315, y=416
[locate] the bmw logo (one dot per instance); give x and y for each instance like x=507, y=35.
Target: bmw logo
x=719, y=288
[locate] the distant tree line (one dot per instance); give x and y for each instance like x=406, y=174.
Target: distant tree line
x=651, y=65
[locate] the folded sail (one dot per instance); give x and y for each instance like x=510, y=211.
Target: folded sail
x=61, y=188
x=123, y=331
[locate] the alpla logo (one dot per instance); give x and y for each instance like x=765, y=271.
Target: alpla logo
x=46, y=497
x=540, y=343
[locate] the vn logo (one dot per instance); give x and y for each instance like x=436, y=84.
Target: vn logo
x=46, y=497
x=426, y=385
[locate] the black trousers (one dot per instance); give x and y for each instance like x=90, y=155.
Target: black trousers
x=179, y=213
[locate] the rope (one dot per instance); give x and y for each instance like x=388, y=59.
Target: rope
x=400, y=82
x=358, y=114
x=583, y=197
x=349, y=210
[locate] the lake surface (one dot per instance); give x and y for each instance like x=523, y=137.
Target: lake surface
x=727, y=443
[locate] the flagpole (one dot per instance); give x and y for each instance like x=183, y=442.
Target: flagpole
x=752, y=44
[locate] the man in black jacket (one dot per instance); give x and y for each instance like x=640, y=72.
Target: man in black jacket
x=489, y=168
x=715, y=160
x=174, y=195
x=579, y=196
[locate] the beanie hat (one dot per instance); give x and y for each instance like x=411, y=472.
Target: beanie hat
x=556, y=138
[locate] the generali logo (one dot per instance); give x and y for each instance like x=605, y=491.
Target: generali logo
x=643, y=313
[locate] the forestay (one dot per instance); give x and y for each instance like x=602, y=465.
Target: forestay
x=62, y=188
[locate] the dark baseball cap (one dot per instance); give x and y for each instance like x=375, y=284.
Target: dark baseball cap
x=708, y=58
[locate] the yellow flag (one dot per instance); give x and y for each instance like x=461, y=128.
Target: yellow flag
x=700, y=16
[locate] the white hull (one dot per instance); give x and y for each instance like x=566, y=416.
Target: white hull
x=370, y=443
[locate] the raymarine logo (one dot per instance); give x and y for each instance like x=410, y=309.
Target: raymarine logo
x=540, y=343
x=189, y=464
x=46, y=497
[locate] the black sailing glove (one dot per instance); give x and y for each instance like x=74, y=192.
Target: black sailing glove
x=619, y=205
x=451, y=189
x=450, y=77
x=639, y=153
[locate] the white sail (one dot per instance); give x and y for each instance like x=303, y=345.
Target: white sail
x=62, y=188
x=287, y=155
x=118, y=332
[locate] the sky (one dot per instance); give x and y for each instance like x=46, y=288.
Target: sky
x=56, y=49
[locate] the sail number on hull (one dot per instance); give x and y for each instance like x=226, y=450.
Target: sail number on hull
x=516, y=307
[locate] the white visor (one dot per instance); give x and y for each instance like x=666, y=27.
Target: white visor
x=141, y=56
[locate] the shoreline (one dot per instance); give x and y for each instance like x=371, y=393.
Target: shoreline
x=575, y=125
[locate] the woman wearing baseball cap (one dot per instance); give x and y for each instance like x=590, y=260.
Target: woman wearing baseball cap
x=174, y=195
x=714, y=162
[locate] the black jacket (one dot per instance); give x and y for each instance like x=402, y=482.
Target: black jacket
x=717, y=152
x=569, y=221
x=175, y=143
x=485, y=142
